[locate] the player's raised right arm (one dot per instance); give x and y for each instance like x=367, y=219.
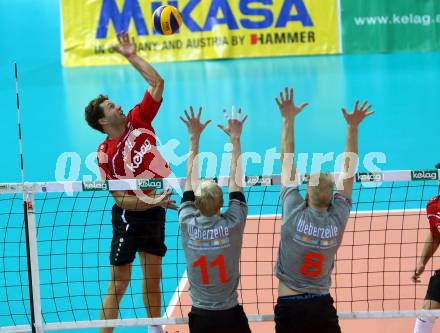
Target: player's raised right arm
x=127, y=48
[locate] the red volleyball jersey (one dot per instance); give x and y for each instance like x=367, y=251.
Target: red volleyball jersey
x=433, y=212
x=134, y=154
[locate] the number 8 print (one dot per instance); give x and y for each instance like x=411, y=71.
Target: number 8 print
x=312, y=266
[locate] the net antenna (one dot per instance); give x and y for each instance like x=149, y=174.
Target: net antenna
x=20, y=140
x=30, y=228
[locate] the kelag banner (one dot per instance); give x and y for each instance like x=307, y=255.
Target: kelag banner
x=211, y=29
x=390, y=25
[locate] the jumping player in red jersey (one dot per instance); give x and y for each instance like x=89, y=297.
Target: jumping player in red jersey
x=432, y=242
x=130, y=151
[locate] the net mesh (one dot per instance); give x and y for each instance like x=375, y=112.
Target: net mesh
x=383, y=239
x=14, y=286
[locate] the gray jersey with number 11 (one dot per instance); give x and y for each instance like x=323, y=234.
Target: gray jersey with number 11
x=212, y=248
x=309, y=241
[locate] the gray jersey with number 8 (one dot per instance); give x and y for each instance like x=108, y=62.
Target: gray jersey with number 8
x=309, y=241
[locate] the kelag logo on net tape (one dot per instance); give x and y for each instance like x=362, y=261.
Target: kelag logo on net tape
x=9, y=188
x=150, y=184
x=369, y=177
x=258, y=180
x=424, y=175
x=98, y=185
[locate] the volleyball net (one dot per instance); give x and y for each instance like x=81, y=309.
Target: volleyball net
x=55, y=244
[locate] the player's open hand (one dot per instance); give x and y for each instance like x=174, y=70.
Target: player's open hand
x=418, y=271
x=287, y=106
x=163, y=200
x=358, y=114
x=193, y=123
x=125, y=47
x=234, y=123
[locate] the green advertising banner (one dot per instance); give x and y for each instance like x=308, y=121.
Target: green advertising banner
x=390, y=25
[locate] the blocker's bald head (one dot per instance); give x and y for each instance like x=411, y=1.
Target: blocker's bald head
x=320, y=189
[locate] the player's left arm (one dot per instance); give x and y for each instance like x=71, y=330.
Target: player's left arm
x=238, y=209
x=127, y=48
x=431, y=245
x=233, y=130
x=195, y=128
x=133, y=203
x=289, y=110
x=350, y=159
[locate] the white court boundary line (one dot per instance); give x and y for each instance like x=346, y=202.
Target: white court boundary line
x=176, y=296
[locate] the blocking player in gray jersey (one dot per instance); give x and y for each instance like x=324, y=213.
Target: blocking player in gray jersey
x=212, y=240
x=312, y=229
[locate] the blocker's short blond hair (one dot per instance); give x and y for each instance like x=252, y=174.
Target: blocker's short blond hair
x=209, y=198
x=320, y=189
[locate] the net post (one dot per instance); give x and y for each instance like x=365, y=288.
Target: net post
x=32, y=261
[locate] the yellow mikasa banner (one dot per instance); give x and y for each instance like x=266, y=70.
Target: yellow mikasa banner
x=211, y=29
